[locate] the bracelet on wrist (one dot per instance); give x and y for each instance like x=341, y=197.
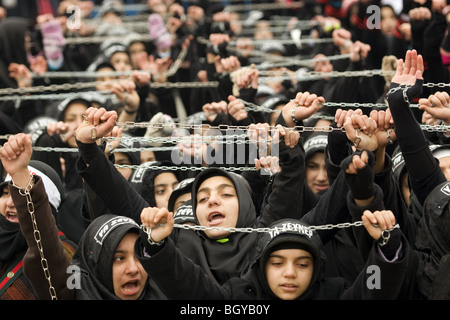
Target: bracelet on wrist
x=148, y=230
x=293, y=113
x=385, y=235
x=28, y=187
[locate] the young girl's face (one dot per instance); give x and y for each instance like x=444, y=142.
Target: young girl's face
x=121, y=62
x=316, y=173
x=129, y=276
x=7, y=208
x=388, y=21
x=73, y=116
x=164, y=184
x=289, y=272
x=122, y=159
x=217, y=205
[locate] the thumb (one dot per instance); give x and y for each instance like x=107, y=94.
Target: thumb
x=365, y=156
x=255, y=81
x=231, y=98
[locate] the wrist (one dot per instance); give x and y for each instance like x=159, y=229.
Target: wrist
x=288, y=113
x=130, y=112
x=364, y=202
x=151, y=245
x=23, y=179
x=385, y=236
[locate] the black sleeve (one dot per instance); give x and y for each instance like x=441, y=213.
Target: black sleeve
x=53, y=159
x=354, y=89
x=175, y=274
x=434, y=34
x=423, y=168
x=336, y=150
x=108, y=184
x=382, y=278
x=331, y=209
x=286, y=198
x=393, y=200
x=364, y=241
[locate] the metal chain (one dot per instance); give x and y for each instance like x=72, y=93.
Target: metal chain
x=182, y=168
x=263, y=6
x=296, y=61
x=303, y=77
x=6, y=93
x=262, y=230
x=37, y=236
x=53, y=96
x=219, y=139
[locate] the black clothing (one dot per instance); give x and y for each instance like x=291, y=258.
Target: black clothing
x=96, y=255
x=169, y=266
x=423, y=168
x=45, y=221
x=71, y=179
x=433, y=245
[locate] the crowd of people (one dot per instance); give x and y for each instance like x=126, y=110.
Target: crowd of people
x=225, y=150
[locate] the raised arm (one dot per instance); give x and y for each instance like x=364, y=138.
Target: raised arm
x=423, y=169
x=287, y=199
x=15, y=156
x=98, y=172
x=175, y=274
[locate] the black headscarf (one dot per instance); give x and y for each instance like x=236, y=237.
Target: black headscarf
x=290, y=234
x=95, y=255
x=12, y=242
x=433, y=242
x=225, y=259
x=12, y=47
x=143, y=179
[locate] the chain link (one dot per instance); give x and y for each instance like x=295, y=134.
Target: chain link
x=37, y=236
x=263, y=230
x=182, y=168
x=218, y=139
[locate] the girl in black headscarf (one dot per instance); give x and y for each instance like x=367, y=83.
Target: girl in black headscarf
x=103, y=266
x=14, y=285
x=287, y=264
x=220, y=256
x=14, y=48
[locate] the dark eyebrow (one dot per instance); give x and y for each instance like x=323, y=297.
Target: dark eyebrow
x=297, y=258
x=225, y=185
x=221, y=186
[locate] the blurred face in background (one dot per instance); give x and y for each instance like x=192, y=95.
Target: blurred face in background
x=107, y=79
x=316, y=173
x=134, y=50
x=73, y=116
x=388, y=21
x=121, y=62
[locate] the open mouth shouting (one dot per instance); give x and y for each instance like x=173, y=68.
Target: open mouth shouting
x=11, y=216
x=131, y=288
x=215, y=218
